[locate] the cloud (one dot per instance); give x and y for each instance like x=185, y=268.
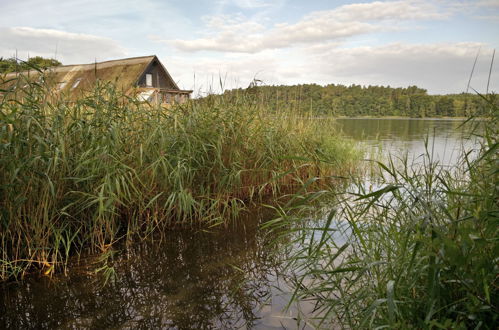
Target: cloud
x=242, y=35
x=246, y=4
x=487, y=3
x=395, y=10
x=467, y=7
x=70, y=47
x=493, y=18
x=235, y=70
x=126, y=21
x=438, y=67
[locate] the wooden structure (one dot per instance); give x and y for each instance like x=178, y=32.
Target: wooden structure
x=143, y=77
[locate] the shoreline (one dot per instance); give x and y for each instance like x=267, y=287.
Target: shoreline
x=407, y=118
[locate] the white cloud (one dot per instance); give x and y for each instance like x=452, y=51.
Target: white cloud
x=493, y=18
x=127, y=21
x=246, y=4
x=243, y=35
x=70, y=47
x=487, y=3
x=306, y=47
x=438, y=67
x=394, y=10
x=467, y=7
x=234, y=70
x=235, y=22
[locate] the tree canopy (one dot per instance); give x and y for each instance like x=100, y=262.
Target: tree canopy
x=356, y=100
x=12, y=65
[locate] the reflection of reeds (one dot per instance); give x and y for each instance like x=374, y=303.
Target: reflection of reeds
x=189, y=279
x=420, y=251
x=83, y=174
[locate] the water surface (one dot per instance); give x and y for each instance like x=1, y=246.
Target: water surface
x=226, y=278
x=446, y=138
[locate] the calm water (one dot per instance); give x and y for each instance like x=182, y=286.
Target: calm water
x=197, y=279
x=399, y=137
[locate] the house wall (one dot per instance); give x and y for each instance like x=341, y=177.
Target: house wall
x=159, y=77
x=174, y=98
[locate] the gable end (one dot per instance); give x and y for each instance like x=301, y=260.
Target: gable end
x=155, y=75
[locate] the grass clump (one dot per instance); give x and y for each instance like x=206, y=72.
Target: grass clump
x=81, y=175
x=419, y=251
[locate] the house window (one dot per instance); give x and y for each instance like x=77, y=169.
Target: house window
x=168, y=99
x=76, y=83
x=149, y=79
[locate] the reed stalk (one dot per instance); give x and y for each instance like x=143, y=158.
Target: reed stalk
x=78, y=176
x=417, y=251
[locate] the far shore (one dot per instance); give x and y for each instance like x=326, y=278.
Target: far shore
x=403, y=117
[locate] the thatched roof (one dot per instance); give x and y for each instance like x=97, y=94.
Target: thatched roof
x=124, y=73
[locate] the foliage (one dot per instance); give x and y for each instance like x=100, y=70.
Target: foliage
x=355, y=100
x=418, y=251
x=12, y=65
x=79, y=176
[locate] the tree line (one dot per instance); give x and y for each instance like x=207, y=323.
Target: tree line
x=8, y=65
x=356, y=100
x=332, y=99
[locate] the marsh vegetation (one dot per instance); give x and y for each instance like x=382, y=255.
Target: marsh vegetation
x=399, y=243
x=413, y=246
x=78, y=176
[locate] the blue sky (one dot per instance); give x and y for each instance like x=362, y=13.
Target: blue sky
x=431, y=44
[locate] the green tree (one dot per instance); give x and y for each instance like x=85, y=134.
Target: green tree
x=7, y=65
x=11, y=65
x=357, y=100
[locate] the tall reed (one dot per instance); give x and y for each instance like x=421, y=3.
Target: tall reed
x=80, y=175
x=421, y=251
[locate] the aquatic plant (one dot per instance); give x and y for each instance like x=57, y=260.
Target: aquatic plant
x=416, y=247
x=81, y=175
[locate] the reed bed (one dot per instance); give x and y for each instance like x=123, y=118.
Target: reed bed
x=78, y=176
x=419, y=251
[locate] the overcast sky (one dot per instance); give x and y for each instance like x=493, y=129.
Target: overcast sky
x=431, y=44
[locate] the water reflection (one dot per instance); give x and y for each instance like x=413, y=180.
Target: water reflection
x=401, y=136
x=187, y=280
x=400, y=129
x=194, y=279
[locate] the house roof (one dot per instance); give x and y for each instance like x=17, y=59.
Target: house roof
x=124, y=73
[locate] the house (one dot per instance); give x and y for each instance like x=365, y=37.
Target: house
x=143, y=77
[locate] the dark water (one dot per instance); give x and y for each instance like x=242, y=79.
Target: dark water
x=224, y=279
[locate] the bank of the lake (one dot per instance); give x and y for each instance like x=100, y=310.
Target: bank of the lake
x=413, y=245
x=456, y=118
x=221, y=277
x=77, y=177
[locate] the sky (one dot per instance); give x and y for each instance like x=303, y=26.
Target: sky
x=223, y=44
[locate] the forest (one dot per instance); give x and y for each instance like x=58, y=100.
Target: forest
x=357, y=101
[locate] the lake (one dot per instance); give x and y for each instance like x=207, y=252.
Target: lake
x=399, y=137
x=219, y=278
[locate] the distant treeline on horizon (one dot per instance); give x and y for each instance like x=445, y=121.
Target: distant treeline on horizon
x=332, y=99
x=356, y=100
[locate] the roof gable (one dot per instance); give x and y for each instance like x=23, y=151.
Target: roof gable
x=161, y=68
x=125, y=73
